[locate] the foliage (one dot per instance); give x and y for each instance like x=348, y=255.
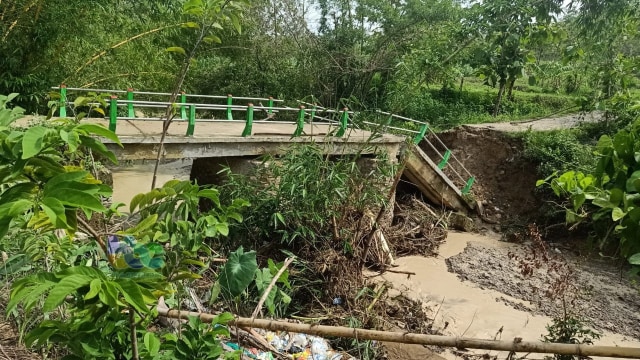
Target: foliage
x=557, y=150
x=610, y=196
x=507, y=50
x=569, y=329
x=199, y=340
x=103, y=304
x=295, y=198
x=35, y=182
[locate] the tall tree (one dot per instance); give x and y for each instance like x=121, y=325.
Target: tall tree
x=507, y=28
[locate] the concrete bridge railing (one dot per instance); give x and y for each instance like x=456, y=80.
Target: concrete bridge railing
x=124, y=106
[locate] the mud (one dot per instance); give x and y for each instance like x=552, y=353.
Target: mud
x=485, y=298
x=607, y=297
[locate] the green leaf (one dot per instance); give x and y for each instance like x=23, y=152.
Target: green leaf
x=633, y=181
x=211, y=39
x=32, y=141
x=143, y=225
x=238, y=272
x=176, y=49
x=71, y=138
x=79, y=199
x=64, y=288
x=191, y=24
x=152, y=343
x=634, y=259
x=15, y=208
x=98, y=147
x=223, y=228
x=93, y=129
x=94, y=288
x=133, y=294
x=617, y=214
x=55, y=211
x=135, y=202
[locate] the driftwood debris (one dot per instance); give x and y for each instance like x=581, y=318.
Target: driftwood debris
x=517, y=345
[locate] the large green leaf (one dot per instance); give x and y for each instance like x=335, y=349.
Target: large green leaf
x=93, y=129
x=238, y=272
x=133, y=294
x=15, y=208
x=77, y=198
x=55, y=210
x=65, y=287
x=33, y=141
x=634, y=259
x=64, y=177
x=98, y=147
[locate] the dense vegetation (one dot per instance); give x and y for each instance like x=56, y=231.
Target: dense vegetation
x=444, y=61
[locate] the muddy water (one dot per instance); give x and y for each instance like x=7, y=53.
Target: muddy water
x=463, y=309
x=136, y=178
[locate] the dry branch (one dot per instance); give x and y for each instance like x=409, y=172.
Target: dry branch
x=258, y=308
x=410, y=338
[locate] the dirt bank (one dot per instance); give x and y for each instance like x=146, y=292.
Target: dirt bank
x=505, y=180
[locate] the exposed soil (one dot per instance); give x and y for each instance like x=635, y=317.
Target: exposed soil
x=608, y=298
x=505, y=180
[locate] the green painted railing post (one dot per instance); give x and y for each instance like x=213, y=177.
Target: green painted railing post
x=63, y=100
x=229, y=103
x=270, y=111
x=113, y=113
x=183, y=108
x=445, y=159
x=468, y=186
x=249, y=125
x=192, y=120
x=344, y=120
x=300, y=125
x=419, y=136
x=130, y=112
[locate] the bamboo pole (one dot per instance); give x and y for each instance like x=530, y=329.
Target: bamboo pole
x=517, y=345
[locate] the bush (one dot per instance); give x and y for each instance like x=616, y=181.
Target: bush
x=557, y=150
x=304, y=197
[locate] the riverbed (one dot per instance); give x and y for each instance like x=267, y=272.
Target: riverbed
x=464, y=308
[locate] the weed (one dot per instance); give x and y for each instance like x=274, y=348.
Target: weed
x=559, y=286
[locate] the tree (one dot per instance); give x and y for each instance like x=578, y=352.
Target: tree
x=507, y=28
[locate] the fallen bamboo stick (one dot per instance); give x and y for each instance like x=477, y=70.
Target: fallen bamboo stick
x=517, y=345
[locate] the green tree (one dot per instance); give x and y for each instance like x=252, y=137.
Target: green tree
x=507, y=29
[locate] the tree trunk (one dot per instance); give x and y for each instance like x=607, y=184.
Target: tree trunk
x=496, y=109
x=461, y=83
x=510, y=86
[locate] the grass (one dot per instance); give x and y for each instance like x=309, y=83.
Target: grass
x=447, y=108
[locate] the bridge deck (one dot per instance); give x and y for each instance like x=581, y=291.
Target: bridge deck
x=217, y=130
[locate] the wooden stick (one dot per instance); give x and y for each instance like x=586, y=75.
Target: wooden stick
x=258, y=308
x=516, y=345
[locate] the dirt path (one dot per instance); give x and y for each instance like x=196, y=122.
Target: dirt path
x=485, y=299
x=553, y=123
